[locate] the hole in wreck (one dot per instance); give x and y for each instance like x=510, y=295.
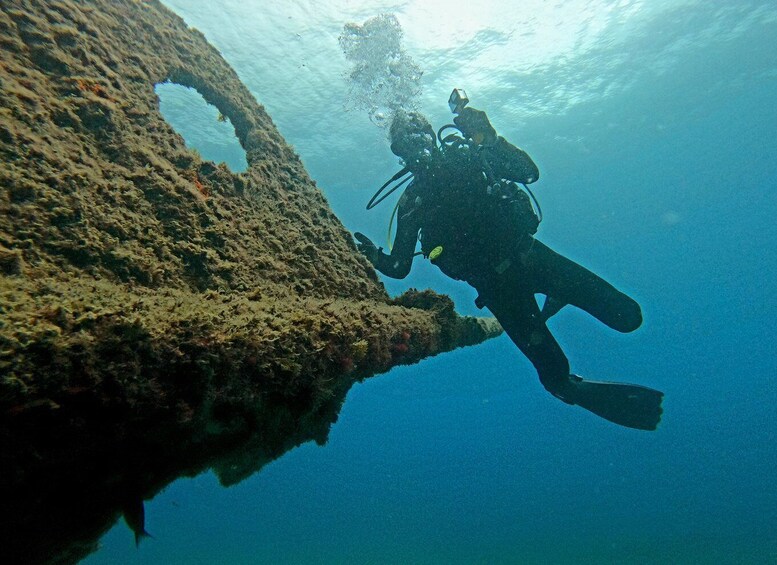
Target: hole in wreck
x=203, y=127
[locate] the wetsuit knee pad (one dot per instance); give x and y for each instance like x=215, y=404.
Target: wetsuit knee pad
x=629, y=316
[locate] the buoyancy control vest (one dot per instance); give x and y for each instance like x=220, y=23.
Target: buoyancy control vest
x=470, y=222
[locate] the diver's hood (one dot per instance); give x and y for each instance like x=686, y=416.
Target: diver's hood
x=412, y=138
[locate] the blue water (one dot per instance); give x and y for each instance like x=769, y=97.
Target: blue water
x=654, y=125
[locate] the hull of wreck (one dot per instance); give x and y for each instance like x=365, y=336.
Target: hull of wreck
x=160, y=315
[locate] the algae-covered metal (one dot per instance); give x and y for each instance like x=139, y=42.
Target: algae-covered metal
x=160, y=315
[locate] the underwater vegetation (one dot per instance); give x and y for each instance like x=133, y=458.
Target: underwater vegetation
x=160, y=315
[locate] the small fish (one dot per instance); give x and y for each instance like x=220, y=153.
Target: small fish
x=135, y=517
x=221, y=117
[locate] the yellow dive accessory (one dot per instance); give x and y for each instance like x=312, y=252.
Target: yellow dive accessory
x=435, y=253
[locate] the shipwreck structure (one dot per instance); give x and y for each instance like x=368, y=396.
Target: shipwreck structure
x=160, y=315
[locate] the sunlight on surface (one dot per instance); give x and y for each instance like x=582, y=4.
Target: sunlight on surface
x=527, y=33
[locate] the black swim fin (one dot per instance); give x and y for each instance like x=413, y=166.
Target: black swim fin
x=632, y=406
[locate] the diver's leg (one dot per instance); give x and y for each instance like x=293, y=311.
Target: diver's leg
x=548, y=272
x=567, y=282
x=632, y=406
x=517, y=312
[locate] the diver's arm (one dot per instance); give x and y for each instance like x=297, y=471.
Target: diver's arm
x=511, y=163
x=396, y=264
x=504, y=158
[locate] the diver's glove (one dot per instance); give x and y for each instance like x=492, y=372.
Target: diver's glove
x=474, y=125
x=367, y=248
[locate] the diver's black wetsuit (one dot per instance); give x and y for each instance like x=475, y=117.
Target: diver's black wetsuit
x=490, y=245
x=476, y=225
x=541, y=270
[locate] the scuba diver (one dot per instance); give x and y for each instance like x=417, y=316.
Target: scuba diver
x=463, y=202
